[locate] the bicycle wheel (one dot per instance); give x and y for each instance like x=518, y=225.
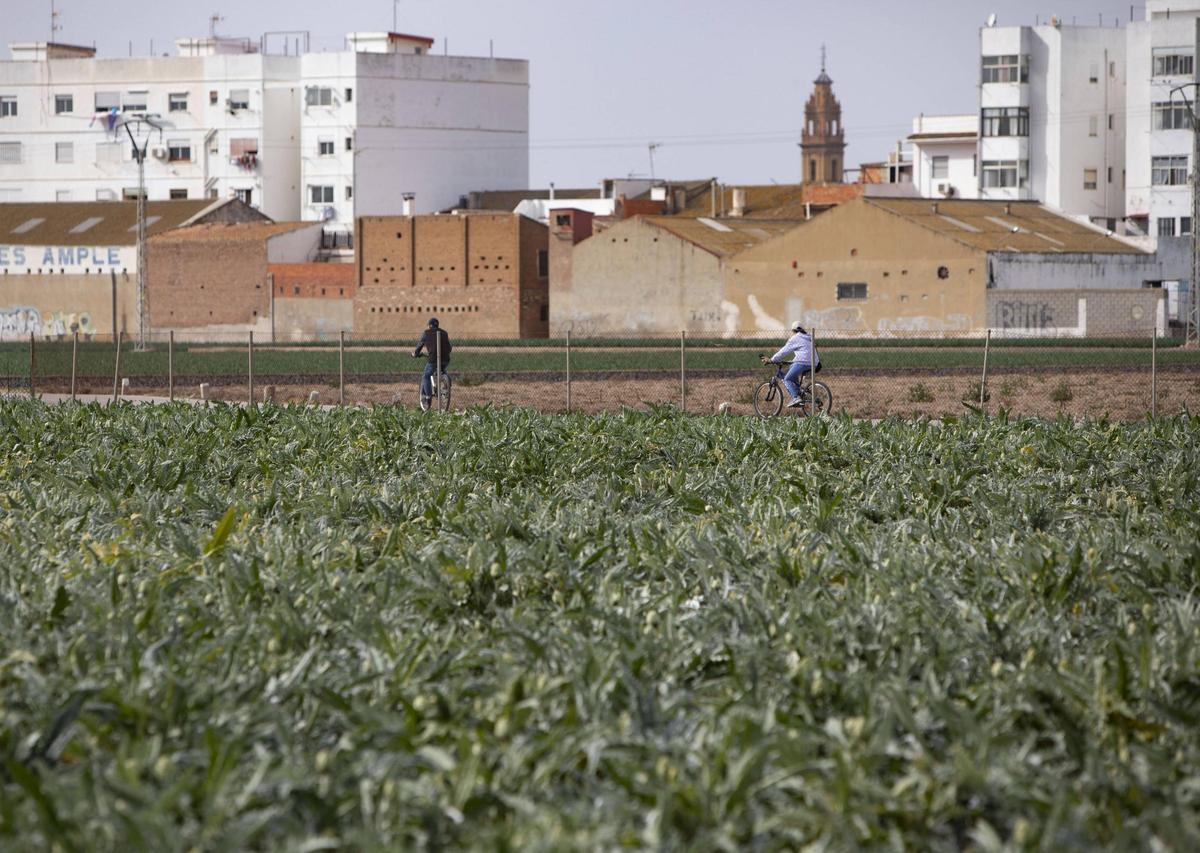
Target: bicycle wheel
x=446, y=383
x=823, y=399
x=768, y=400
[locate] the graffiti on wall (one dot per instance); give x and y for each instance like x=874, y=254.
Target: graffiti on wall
x=1017, y=314
x=20, y=321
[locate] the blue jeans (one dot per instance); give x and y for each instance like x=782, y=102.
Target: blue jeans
x=427, y=380
x=791, y=381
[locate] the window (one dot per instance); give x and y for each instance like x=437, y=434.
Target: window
x=325, y=147
x=851, y=291
x=64, y=104
x=1185, y=225
x=130, y=193
x=543, y=261
x=178, y=193
x=1094, y=73
x=1173, y=62
x=135, y=102
x=1006, y=69
x=1006, y=121
x=1091, y=177
x=1171, y=116
x=940, y=167
x=1110, y=178
x=105, y=195
x=1004, y=174
x=1111, y=119
x=64, y=152
x=318, y=96
x=349, y=95
x=8, y=105
x=239, y=99
x=179, y=150
x=320, y=194
x=1166, y=228
x=213, y=96
x=544, y=313
x=349, y=192
x=1112, y=70
x=106, y=101
x=177, y=102
x=1169, y=171
x=10, y=152
x=349, y=143
x=62, y=195
x=1093, y=125
x=243, y=146
x=244, y=196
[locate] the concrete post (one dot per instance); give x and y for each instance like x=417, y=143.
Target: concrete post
x=74, y=361
x=250, y=369
x=171, y=366
x=1154, y=374
x=987, y=343
x=32, y=366
x=682, y=371
x=117, y=368
x=568, y=371
x=342, y=367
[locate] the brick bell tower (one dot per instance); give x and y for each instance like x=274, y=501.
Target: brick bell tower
x=823, y=140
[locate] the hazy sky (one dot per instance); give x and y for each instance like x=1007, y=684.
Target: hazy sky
x=721, y=84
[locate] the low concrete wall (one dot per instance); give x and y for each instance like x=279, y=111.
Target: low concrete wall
x=312, y=319
x=54, y=306
x=1076, y=313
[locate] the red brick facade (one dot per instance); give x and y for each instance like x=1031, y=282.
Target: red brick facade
x=482, y=274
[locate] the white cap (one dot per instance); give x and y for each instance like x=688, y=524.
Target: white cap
x=797, y=325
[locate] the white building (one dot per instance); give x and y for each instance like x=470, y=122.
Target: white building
x=944, y=156
x=312, y=136
x=1052, y=118
x=1158, y=197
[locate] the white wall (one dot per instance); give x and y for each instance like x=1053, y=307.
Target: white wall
x=962, y=173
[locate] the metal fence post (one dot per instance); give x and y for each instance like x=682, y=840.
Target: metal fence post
x=117, y=369
x=74, y=361
x=812, y=370
x=32, y=366
x=568, y=371
x=1154, y=374
x=171, y=366
x=342, y=367
x=250, y=367
x=987, y=343
x=682, y=371
x=437, y=368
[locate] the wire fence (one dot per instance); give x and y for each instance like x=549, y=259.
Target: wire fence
x=1121, y=376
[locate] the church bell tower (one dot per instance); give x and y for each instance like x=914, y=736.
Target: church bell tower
x=823, y=140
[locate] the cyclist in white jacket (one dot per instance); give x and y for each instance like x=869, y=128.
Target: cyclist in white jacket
x=805, y=359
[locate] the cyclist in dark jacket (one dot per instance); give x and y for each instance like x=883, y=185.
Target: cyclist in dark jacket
x=429, y=342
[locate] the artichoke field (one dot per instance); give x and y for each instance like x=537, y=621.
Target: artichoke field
x=228, y=628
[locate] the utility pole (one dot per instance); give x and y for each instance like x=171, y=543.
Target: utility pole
x=152, y=123
x=653, y=146
x=1193, y=309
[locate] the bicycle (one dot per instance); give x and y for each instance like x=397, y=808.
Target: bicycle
x=769, y=396
x=427, y=401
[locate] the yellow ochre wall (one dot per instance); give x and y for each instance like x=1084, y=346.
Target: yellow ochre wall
x=50, y=305
x=795, y=277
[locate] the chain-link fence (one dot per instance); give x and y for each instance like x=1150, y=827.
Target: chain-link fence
x=1120, y=376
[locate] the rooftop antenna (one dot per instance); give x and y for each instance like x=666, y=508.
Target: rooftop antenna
x=55, y=26
x=653, y=146
x=212, y=24
x=395, y=26
x=822, y=58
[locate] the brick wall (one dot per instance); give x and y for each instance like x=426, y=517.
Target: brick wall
x=477, y=273
x=313, y=281
x=206, y=282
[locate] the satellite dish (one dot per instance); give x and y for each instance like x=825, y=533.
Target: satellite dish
x=991, y=20
x=329, y=213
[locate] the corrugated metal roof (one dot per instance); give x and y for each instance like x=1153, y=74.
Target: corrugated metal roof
x=788, y=202
x=1004, y=226
x=724, y=238
x=90, y=223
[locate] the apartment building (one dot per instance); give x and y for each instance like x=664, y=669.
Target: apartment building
x=302, y=136
x=945, y=161
x=1052, y=118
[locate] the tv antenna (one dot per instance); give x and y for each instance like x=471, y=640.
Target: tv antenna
x=653, y=146
x=55, y=26
x=212, y=24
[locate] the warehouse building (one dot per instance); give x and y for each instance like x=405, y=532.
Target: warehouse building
x=72, y=266
x=920, y=266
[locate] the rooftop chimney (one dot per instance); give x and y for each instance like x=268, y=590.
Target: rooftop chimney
x=408, y=203
x=739, y=202
x=552, y=190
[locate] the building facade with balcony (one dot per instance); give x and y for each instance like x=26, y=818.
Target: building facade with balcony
x=1052, y=118
x=312, y=136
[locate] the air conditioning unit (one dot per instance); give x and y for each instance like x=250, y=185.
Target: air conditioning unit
x=159, y=152
x=945, y=189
